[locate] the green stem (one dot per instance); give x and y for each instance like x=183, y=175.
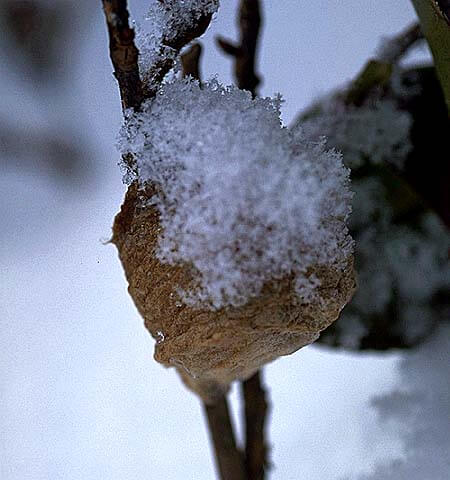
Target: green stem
x=437, y=32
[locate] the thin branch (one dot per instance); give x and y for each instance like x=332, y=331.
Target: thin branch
x=256, y=408
x=374, y=75
x=394, y=48
x=245, y=53
x=190, y=61
x=377, y=72
x=183, y=36
x=229, y=460
x=123, y=52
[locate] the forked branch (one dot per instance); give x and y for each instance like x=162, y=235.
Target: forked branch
x=245, y=52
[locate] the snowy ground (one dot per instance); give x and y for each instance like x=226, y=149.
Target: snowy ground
x=82, y=397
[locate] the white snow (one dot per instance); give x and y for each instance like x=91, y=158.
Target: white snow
x=165, y=21
x=419, y=408
x=242, y=200
x=377, y=133
x=177, y=15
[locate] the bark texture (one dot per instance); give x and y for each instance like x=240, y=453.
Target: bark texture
x=123, y=53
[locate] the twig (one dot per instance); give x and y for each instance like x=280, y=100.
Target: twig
x=228, y=458
x=190, y=61
x=255, y=415
x=374, y=75
x=393, y=49
x=158, y=71
x=254, y=395
x=123, y=52
x=377, y=72
x=124, y=56
x=245, y=53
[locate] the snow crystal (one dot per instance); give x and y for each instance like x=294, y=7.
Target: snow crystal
x=377, y=133
x=174, y=16
x=241, y=199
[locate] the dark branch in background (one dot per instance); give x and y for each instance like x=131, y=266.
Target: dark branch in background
x=415, y=90
x=190, y=60
x=245, y=53
x=228, y=458
x=396, y=47
x=60, y=153
x=255, y=416
x=256, y=406
x=377, y=72
x=123, y=52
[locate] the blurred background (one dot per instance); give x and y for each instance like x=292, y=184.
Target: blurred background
x=81, y=396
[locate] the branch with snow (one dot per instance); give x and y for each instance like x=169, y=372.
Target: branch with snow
x=140, y=71
x=174, y=25
x=233, y=232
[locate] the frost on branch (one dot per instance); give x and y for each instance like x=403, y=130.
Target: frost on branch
x=240, y=200
x=174, y=15
x=172, y=24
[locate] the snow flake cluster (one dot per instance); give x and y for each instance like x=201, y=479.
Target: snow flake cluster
x=376, y=133
x=165, y=21
x=241, y=199
x=177, y=15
